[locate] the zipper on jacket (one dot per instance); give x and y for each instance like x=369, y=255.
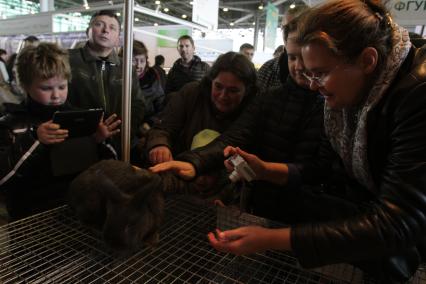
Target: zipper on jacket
x=103, y=68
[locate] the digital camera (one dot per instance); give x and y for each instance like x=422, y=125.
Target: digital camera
x=241, y=169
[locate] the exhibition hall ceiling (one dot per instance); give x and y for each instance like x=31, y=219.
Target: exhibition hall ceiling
x=232, y=13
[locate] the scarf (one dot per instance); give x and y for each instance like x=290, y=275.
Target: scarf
x=347, y=128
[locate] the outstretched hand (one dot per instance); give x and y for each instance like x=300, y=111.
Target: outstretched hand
x=183, y=169
x=256, y=164
x=249, y=240
x=50, y=133
x=107, y=128
x=160, y=154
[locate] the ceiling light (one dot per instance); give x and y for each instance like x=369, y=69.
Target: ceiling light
x=136, y=19
x=231, y=24
x=118, y=14
x=155, y=24
x=191, y=2
x=157, y=2
x=184, y=16
x=254, y=23
x=260, y=7
x=111, y=2
x=166, y=9
x=292, y=6
x=225, y=9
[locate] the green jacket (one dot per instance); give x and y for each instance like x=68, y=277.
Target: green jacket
x=97, y=83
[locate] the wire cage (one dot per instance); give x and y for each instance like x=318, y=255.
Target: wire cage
x=54, y=247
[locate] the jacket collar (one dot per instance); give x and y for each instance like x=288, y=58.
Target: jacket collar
x=111, y=58
x=194, y=60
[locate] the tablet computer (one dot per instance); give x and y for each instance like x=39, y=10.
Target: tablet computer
x=78, y=122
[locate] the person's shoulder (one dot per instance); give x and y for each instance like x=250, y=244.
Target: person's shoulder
x=269, y=63
x=419, y=64
x=191, y=89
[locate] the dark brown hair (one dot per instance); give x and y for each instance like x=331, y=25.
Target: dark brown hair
x=237, y=64
x=186, y=37
x=346, y=27
x=109, y=13
x=139, y=48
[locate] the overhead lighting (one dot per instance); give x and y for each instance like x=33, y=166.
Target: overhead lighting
x=87, y=7
x=157, y=2
x=118, y=14
x=225, y=9
x=254, y=23
x=292, y=6
x=260, y=7
x=231, y=24
x=155, y=24
x=111, y=2
x=166, y=9
x=191, y=3
x=136, y=19
x=184, y=16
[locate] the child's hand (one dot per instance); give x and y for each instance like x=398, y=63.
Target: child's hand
x=50, y=133
x=107, y=128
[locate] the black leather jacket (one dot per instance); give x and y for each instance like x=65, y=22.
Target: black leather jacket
x=391, y=227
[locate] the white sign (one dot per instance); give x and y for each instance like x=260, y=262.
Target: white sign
x=408, y=12
x=36, y=24
x=206, y=12
x=405, y=12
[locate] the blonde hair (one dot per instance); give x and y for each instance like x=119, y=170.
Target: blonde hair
x=44, y=61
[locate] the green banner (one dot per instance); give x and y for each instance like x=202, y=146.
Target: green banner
x=174, y=33
x=271, y=25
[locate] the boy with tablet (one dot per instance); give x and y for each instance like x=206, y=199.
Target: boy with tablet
x=29, y=138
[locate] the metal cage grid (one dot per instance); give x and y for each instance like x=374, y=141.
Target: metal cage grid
x=53, y=247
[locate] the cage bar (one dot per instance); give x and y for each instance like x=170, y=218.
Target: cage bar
x=54, y=247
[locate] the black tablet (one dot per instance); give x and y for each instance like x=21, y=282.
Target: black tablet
x=78, y=122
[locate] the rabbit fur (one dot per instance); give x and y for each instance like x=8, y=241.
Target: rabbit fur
x=127, y=204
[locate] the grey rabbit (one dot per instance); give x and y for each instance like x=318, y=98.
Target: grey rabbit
x=127, y=204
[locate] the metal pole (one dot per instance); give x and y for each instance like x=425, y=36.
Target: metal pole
x=256, y=29
x=127, y=80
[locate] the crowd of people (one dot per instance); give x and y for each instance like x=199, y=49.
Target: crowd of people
x=333, y=128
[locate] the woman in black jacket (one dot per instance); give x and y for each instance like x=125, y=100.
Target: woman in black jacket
x=374, y=84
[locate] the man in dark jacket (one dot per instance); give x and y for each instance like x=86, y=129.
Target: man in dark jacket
x=186, y=69
x=97, y=76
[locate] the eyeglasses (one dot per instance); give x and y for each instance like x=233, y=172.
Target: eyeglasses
x=320, y=79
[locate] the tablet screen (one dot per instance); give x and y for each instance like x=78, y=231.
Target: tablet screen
x=79, y=122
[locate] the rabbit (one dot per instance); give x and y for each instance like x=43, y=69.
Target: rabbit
x=125, y=203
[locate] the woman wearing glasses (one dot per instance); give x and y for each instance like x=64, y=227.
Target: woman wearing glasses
x=374, y=84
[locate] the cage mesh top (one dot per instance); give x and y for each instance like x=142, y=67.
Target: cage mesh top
x=53, y=247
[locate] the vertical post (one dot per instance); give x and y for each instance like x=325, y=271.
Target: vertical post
x=47, y=5
x=256, y=29
x=127, y=80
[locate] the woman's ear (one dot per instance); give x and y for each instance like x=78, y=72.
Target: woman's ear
x=368, y=60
